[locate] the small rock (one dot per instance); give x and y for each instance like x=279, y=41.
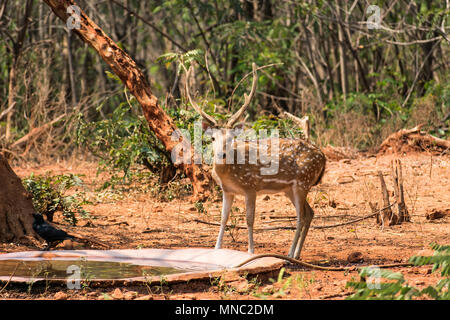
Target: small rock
x=277, y=295
x=68, y=244
x=355, y=257
x=268, y=289
x=414, y=270
x=130, y=295
x=88, y=224
x=244, y=287
x=437, y=214
x=60, y=296
x=266, y=198
x=147, y=297
x=117, y=294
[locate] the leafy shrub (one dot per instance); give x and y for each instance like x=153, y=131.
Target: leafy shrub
x=49, y=195
x=121, y=141
x=397, y=288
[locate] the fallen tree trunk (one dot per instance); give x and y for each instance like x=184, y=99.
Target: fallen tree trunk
x=126, y=69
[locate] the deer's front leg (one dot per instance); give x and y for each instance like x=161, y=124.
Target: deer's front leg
x=226, y=207
x=250, y=200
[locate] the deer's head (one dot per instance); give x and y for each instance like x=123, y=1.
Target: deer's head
x=222, y=134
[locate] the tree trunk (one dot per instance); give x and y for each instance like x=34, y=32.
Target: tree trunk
x=11, y=99
x=16, y=206
x=126, y=69
x=342, y=55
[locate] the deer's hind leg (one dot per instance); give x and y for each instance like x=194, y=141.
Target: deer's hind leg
x=306, y=223
x=298, y=199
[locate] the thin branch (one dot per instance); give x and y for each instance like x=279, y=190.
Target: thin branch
x=165, y=35
x=5, y=112
x=245, y=77
x=311, y=76
x=294, y=228
x=277, y=97
x=208, y=45
x=418, y=73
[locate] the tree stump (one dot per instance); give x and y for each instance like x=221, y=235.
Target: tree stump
x=397, y=178
x=387, y=215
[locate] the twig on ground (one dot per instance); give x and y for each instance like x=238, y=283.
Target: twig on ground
x=313, y=266
x=336, y=295
x=293, y=228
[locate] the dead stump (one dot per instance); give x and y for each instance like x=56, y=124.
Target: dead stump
x=387, y=216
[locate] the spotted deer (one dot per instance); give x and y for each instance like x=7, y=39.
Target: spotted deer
x=296, y=166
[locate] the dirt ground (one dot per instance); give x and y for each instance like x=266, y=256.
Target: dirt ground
x=135, y=219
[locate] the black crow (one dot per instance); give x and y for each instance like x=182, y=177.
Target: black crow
x=48, y=232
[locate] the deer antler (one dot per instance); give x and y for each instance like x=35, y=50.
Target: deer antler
x=205, y=116
x=303, y=123
x=247, y=100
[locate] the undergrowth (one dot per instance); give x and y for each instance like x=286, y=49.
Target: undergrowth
x=49, y=194
x=394, y=285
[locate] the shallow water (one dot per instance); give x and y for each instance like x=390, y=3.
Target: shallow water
x=88, y=269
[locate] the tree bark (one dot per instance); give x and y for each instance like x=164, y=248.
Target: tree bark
x=387, y=217
x=126, y=69
x=11, y=99
x=342, y=55
x=16, y=206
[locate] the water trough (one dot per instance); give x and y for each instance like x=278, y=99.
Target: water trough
x=130, y=266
